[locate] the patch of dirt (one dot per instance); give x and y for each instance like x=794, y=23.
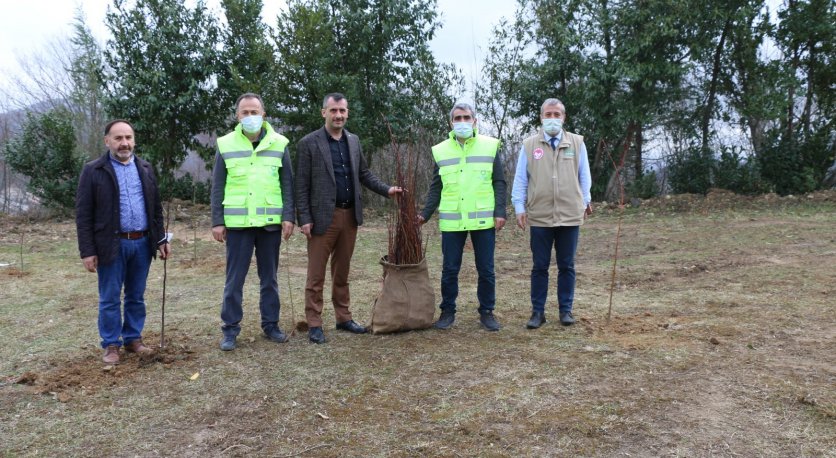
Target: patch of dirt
x=87, y=374
x=15, y=272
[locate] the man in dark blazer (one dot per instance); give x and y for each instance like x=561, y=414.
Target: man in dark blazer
x=119, y=221
x=330, y=170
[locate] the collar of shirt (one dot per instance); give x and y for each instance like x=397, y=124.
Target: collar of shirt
x=342, y=138
x=116, y=162
x=259, y=139
x=559, y=136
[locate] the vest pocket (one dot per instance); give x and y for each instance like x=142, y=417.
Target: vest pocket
x=235, y=201
x=449, y=174
x=234, y=169
x=448, y=205
x=484, y=200
x=272, y=200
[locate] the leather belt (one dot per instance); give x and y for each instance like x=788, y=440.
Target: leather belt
x=345, y=205
x=133, y=235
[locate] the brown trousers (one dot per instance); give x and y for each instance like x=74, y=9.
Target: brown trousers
x=338, y=244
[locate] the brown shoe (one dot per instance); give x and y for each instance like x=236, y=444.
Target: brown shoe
x=111, y=354
x=137, y=347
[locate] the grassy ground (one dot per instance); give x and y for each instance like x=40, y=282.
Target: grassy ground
x=721, y=343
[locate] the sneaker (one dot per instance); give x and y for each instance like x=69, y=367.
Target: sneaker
x=111, y=354
x=228, y=343
x=566, y=318
x=276, y=335
x=489, y=321
x=445, y=320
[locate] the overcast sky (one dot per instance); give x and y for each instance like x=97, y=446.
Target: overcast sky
x=26, y=27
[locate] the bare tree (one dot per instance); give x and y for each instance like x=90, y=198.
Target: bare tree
x=65, y=73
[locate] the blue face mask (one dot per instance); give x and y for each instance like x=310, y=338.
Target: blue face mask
x=552, y=126
x=252, y=124
x=463, y=129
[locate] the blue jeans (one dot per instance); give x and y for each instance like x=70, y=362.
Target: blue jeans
x=240, y=244
x=452, y=247
x=564, y=239
x=129, y=269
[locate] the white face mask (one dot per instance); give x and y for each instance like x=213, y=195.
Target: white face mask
x=463, y=129
x=252, y=124
x=552, y=126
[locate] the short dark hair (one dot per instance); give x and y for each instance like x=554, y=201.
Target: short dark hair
x=117, y=121
x=249, y=95
x=334, y=95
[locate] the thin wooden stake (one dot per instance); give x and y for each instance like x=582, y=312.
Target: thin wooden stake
x=289, y=289
x=618, y=168
x=165, y=275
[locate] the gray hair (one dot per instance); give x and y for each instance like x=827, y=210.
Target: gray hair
x=550, y=102
x=248, y=95
x=462, y=106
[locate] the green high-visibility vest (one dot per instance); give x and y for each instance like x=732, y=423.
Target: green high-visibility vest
x=253, y=191
x=467, y=200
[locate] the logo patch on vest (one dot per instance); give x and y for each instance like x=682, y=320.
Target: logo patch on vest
x=569, y=153
x=538, y=153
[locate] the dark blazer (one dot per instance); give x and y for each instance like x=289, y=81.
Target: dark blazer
x=316, y=189
x=97, y=209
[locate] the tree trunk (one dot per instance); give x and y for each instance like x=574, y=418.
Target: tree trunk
x=639, y=164
x=715, y=76
x=808, y=103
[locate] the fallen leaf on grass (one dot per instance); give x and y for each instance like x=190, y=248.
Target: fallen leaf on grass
x=195, y=376
x=323, y=416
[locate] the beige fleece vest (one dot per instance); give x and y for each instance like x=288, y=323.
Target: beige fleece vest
x=554, y=196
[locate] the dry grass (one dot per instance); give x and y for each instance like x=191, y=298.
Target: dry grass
x=721, y=344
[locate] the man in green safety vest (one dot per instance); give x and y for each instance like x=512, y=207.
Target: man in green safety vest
x=468, y=189
x=252, y=209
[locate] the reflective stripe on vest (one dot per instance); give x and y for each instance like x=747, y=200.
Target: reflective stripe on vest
x=467, y=198
x=253, y=193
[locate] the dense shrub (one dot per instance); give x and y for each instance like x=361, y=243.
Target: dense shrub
x=45, y=151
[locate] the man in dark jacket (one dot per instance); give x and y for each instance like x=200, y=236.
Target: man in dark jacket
x=119, y=220
x=330, y=170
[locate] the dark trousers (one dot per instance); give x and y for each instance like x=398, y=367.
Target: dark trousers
x=564, y=240
x=452, y=247
x=239, y=251
x=338, y=244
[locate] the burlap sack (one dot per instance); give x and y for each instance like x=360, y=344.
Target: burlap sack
x=406, y=301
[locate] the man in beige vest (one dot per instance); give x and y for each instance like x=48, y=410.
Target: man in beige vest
x=551, y=195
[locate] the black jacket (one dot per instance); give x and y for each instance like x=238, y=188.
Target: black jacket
x=97, y=209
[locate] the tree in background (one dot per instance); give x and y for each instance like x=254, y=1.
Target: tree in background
x=376, y=52
x=681, y=77
x=247, y=60
x=46, y=151
x=162, y=67
x=65, y=75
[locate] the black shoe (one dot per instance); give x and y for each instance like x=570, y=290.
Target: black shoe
x=276, y=335
x=228, y=343
x=566, y=318
x=445, y=320
x=315, y=335
x=351, y=326
x=489, y=321
x=537, y=319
